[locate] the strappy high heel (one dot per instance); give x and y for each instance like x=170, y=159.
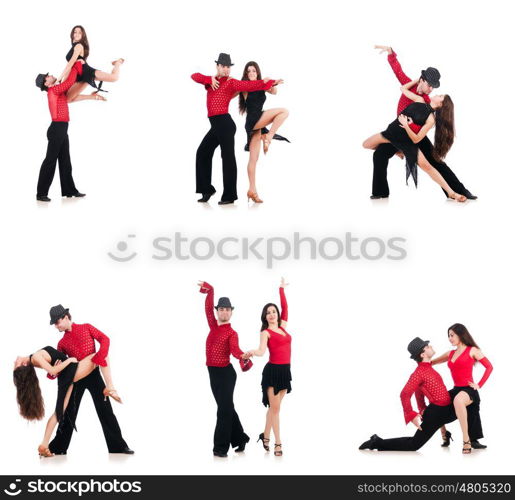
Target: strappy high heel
x=112, y=394
x=466, y=451
x=278, y=453
x=44, y=452
x=447, y=439
x=265, y=441
x=252, y=195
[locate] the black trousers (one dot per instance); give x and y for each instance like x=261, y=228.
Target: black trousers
x=228, y=430
x=58, y=150
x=113, y=435
x=385, y=151
x=221, y=134
x=434, y=417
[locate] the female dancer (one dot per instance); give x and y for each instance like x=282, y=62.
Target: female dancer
x=465, y=394
x=80, y=51
x=440, y=112
x=255, y=123
x=275, y=381
x=67, y=370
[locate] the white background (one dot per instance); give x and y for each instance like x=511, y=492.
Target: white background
x=350, y=320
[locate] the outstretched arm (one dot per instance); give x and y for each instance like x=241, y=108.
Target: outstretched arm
x=395, y=65
x=263, y=342
x=76, y=53
x=205, y=287
x=405, y=89
x=62, y=88
x=441, y=359
x=284, y=303
x=234, y=346
x=251, y=85
x=416, y=137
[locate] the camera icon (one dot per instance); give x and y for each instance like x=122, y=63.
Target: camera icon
x=13, y=490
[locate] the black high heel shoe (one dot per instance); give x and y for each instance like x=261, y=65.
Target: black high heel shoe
x=447, y=439
x=265, y=441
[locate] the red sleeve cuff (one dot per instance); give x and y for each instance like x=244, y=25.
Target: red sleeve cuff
x=99, y=360
x=409, y=416
x=51, y=377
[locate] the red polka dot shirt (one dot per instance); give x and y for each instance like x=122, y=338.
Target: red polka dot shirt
x=57, y=101
x=222, y=340
x=218, y=100
x=424, y=381
x=79, y=342
x=405, y=101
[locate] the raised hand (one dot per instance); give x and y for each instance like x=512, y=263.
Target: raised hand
x=283, y=283
x=214, y=83
x=383, y=48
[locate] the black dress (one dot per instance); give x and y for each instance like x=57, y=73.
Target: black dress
x=88, y=73
x=64, y=379
x=254, y=109
x=419, y=113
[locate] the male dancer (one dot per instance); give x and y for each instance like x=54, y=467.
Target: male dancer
x=429, y=79
x=57, y=134
x=424, y=381
x=220, y=90
x=79, y=341
x=221, y=342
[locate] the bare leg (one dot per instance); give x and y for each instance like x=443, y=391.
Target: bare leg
x=461, y=401
x=76, y=89
x=94, y=96
x=253, y=158
x=374, y=141
x=275, y=408
x=276, y=117
x=437, y=177
x=102, y=76
x=106, y=373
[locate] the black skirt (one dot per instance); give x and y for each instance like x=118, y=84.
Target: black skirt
x=401, y=140
x=250, y=122
x=88, y=76
x=473, y=415
x=276, y=376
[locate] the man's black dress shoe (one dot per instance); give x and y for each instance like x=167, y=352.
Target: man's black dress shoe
x=126, y=451
x=219, y=454
x=226, y=202
x=371, y=443
x=477, y=445
x=469, y=195
x=241, y=448
x=377, y=197
x=76, y=195
x=43, y=198
x=205, y=198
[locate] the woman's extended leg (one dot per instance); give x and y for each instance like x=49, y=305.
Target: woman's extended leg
x=251, y=167
x=102, y=76
x=273, y=414
x=437, y=177
x=373, y=141
x=461, y=401
x=276, y=117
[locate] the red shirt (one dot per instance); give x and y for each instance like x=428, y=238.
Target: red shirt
x=57, y=101
x=79, y=342
x=404, y=101
x=424, y=381
x=218, y=100
x=461, y=369
x=222, y=340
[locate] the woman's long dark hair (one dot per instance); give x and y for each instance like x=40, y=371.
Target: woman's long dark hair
x=463, y=334
x=28, y=393
x=264, y=322
x=242, y=103
x=445, y=132
x=83, y=40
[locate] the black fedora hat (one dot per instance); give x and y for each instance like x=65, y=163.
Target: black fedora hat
x=56, y=313
x=224, y=302
x=40, y=81
x=416, y=345
x=224, y=59
x=431, y=76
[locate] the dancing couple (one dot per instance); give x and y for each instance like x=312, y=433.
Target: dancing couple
x=221, y=342
x=76, y=365
x=76, y=76
x=221, y=89
x=461, y=402
x=406, y=136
